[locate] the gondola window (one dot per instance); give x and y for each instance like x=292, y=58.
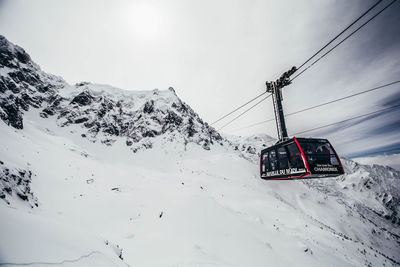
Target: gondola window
x=273, y=160
x=295, y=156
x=283, y=158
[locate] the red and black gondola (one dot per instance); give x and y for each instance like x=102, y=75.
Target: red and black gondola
x=297, y=158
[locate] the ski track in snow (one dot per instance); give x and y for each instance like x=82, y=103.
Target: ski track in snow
x=51, y=263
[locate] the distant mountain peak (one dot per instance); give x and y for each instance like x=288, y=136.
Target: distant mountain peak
x=137, y=116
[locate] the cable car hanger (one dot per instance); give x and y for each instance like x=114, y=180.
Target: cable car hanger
x=296, y=157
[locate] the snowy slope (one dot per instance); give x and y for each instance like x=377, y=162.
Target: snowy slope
x=113, y=178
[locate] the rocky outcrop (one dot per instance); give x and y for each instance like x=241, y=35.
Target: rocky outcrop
x=138, y=118
x=15, y=184
x=22, y=84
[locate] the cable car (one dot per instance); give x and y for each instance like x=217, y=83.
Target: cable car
x=297, y=158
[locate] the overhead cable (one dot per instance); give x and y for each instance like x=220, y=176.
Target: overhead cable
x=353, y=118
x=323, y=104
x=347, y=37
x=244, y=112
x=315, y=54
x=248, y=102
x=337, y=36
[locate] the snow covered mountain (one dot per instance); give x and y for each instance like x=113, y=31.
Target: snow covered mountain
x=92, y=175
x=101, y=109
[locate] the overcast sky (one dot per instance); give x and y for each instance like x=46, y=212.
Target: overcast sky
x=217, y=54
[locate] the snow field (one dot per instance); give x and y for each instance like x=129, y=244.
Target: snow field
x=169, y=207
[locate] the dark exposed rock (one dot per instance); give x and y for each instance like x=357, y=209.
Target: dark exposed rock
x=206, y=144
x=149, y=107
x=7, y=83
x=84, y=99
x=89, y=124
x=27, y=100
x=16, y=182
x=150, y=133
x=44, y=88
x=190, y=128
x=47, y=112
x=22, y=196
x=129, y=142
x=173, y=118
x=13, y=115
x=105, y=107
x=81, y=84
x=80, y=120
x=21, y=103
x=111, y=129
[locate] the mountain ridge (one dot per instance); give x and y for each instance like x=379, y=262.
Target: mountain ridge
x=135, y=115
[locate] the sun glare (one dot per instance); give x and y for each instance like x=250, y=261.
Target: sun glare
x=144, y=20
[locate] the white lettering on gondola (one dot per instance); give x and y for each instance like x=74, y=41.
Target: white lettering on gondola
x=285, y=172
x=326, y=169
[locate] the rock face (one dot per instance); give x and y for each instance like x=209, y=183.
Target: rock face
x=103, y=112
x=15, y=183
x=22, y=84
